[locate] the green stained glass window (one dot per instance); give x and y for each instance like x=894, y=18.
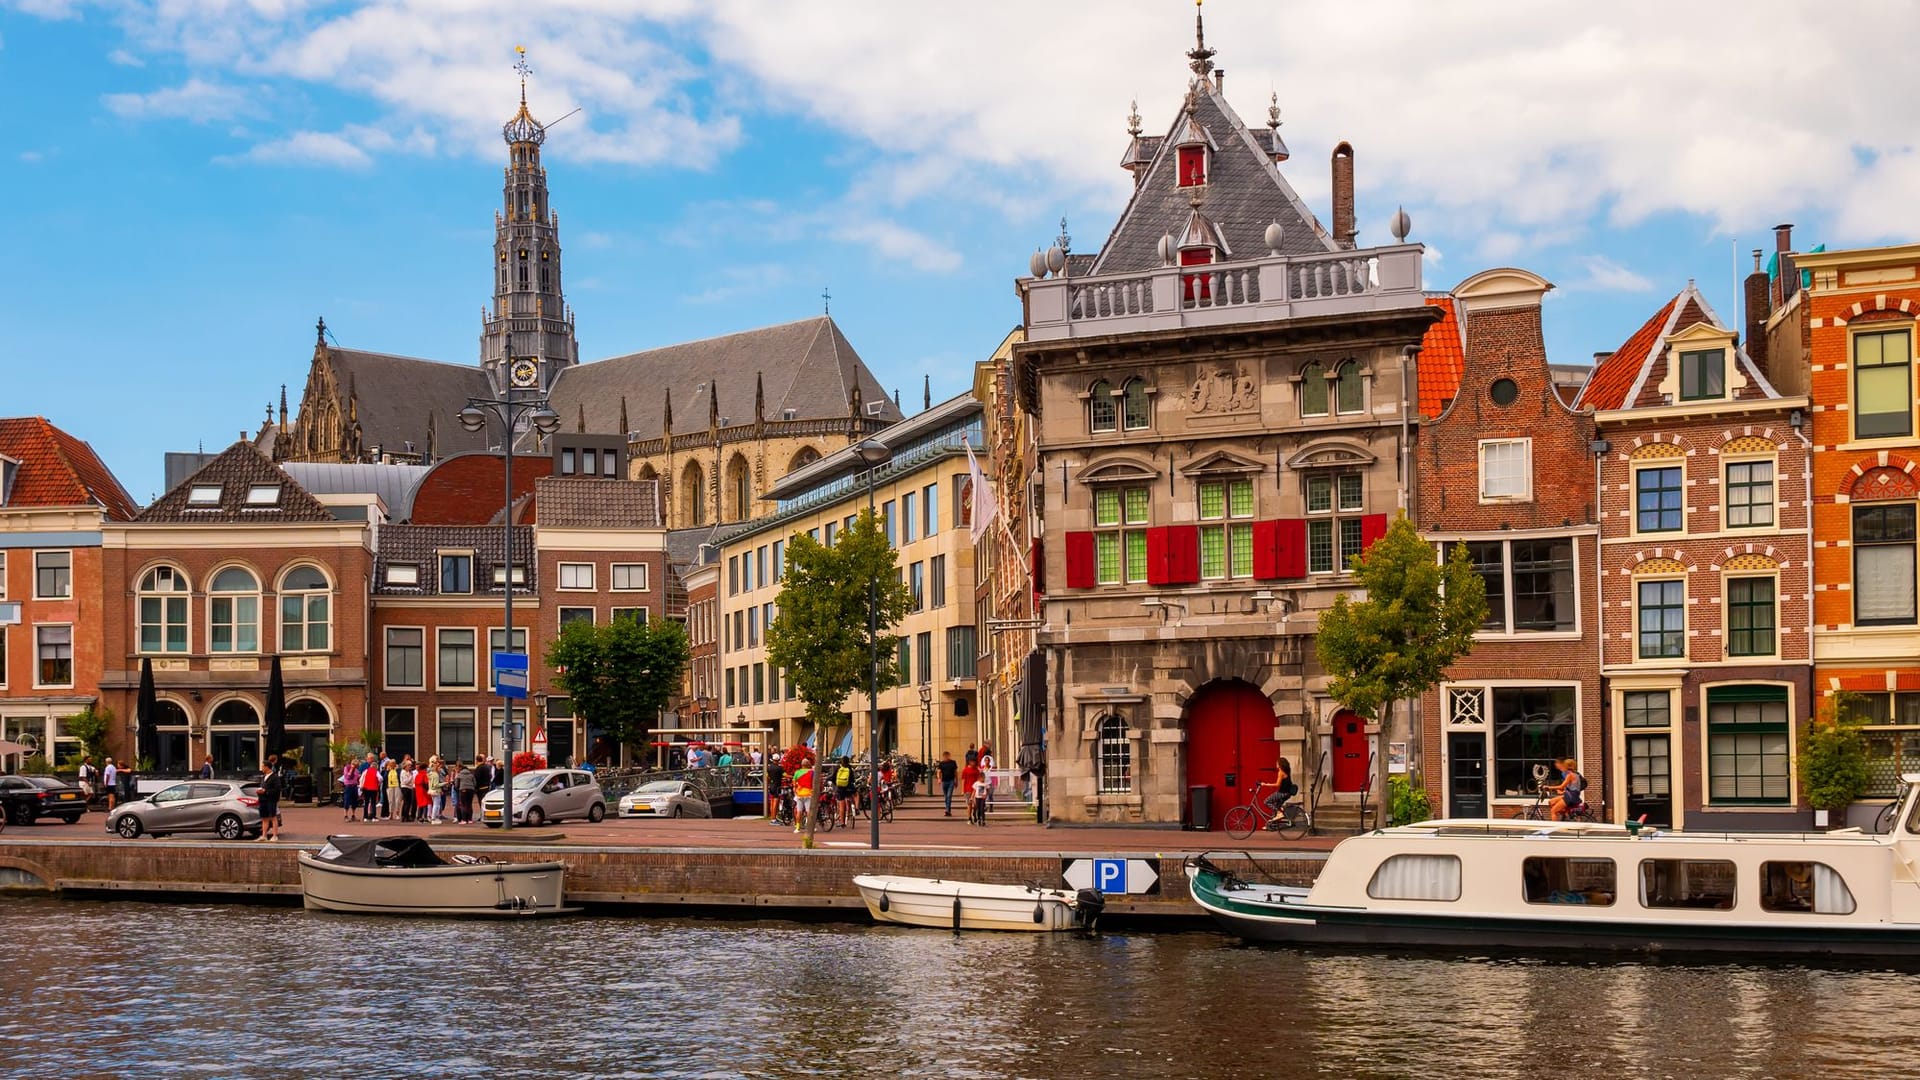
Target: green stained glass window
x=1136, y=556
x=1213, y=500
x=1213, y=551
x=1240, y=543
x=1240, y=498
x=1136, y=506
x=1106, y=507
x=1106, y=558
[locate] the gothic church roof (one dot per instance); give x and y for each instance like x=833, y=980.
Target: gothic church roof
x=396, y=394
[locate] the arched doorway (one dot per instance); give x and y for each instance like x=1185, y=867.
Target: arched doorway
x=1230, y=744
x=233, y=736
x=309, y=725
x=170, y=742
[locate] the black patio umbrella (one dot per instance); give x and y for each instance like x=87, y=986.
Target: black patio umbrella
x=276, y=712
x=146, y=737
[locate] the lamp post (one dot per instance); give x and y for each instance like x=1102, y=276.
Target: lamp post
x=873, y=452
x=926, y=731
x=506, y=409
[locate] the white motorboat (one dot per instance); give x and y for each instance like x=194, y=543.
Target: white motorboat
x=1529, y=885
x=403, y=875
x=970, y=905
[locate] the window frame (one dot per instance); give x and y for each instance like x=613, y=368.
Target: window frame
x=1340, y=529
x=1525, y=477
x=1233, y=528
x=1728, y=486
x=614, y=572
x=1684, y=356
x=1315, y=389
x=1113, y=756
x=1911, y=543
x=569, y=613
x=1134, y=391
x=234, y=624
x=1729, y=605
x=182, y=596
x=1103, y=409
x=440, y=634
x=40, y=660
x=386, y=658
x=1121, y=531
x=573, y=570
x=306, y=598
x=1349, y=373
x=441, y=561
x=1678, y=466
x=440, y=722
x=1640, y=585
x=39, y=572
x=1855, y=367
x=1732, y=696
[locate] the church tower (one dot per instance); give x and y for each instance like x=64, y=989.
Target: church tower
x=527, y=339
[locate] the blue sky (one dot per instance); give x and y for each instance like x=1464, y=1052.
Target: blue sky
x=201, y=178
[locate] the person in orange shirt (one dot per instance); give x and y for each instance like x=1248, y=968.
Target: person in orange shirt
x=802, y=794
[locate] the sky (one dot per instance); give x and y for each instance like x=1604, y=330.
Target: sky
x=193, y=182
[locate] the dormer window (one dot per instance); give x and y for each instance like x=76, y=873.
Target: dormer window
x=1192, y=161
x=204, y=495
x=9, y=472
x=403, y=574
x=263, y=495
x=1703, y=375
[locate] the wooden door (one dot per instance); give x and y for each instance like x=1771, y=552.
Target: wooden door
x=1230, y=745
x=1350, y=752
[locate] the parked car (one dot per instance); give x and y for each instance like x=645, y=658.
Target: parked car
x=26, y=799
x=229, y=809
x=545, y=795
x=666, y=798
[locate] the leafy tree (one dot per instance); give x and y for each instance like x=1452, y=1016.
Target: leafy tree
x=620, y=675
x=91, y=727
x=1833, y=756
x=820, y=633
x=1418, y=617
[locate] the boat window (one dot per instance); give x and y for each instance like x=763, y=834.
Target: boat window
x=1687, y=883
x=1417, y=877
x=1549, y=880
x=1804, y=886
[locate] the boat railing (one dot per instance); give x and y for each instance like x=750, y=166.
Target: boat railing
x=1518, y=829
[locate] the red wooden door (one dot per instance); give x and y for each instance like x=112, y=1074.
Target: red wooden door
x=1349, y=752
x=1230, y=745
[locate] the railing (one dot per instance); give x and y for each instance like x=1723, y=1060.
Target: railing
x=1892, y=749
x=1255, y=290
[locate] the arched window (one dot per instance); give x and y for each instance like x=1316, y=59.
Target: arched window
x=305, y=610
x=1115, y=755
x=1313, y=390
x=739, y=489
x=803, y=457
x=233, y=612
x=1139, y=409
x=1101, y=414
x=163, y=611
x=1350, y=395
x=693, y=496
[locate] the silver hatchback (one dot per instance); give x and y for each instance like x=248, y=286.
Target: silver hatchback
x=545, y=795
x=230, y=809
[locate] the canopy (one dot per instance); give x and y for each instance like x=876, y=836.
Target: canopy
x=146, y=736
x=385, y=852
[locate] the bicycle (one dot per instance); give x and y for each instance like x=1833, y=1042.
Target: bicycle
x=1292, y=822
x=1542, y=810
x=1883, y=822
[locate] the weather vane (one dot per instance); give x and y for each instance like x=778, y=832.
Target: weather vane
x=520, y=65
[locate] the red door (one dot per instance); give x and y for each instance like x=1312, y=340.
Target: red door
x=1349, y=752
x=1230, y=745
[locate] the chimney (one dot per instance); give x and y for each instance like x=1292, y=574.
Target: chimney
x=1219, y=80
x=1759, y=309
x=1343, y=230
x=1786, y=284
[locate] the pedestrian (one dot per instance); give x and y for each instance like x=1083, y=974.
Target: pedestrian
x=802, y=794
x=391, y=812
x=88, y=774
x=422, y=799
x=949, y=773
x=775, y=796
x=971, y=778
x=206, y=769
x=986, y=771
x=269, y=796
x=482, y=780
x=973, y=755
x=110, y=776
x=405, y=795
x=349, y=787
x=464, y=785
x=370, y=789
x=436, y=790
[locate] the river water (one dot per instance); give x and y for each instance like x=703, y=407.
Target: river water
x=95, y=988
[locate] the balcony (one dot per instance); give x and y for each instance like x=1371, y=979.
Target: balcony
x=1251, y=291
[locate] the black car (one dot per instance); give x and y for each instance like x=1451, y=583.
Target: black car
x=26, y=799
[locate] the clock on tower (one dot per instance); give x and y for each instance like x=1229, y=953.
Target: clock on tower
x=524, y=374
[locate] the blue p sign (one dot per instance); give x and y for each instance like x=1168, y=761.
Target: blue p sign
x=1110, y=875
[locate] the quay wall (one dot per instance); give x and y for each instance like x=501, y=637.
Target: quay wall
x=755, y=883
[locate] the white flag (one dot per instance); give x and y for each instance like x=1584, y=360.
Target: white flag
x=985, y=507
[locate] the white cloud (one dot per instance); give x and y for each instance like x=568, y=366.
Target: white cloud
x=32, y=157
x=196, y=100
x=125, y=59
x=892, y=240
x=1605, y=275
x=308, y=148
x=736, y=282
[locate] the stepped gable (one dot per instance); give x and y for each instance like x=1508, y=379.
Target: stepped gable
x=237, y=470
x=395, y=395
x=1630, y=375
x=1443, y=359
x=807, y=366
x=57, y=469
x=1244, y=193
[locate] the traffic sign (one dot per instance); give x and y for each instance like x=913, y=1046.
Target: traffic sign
x=1113, y=876
x=510, y=674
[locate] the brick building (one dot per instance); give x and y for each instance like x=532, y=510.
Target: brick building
x=1007, y=584
x=1703, y=574
x=230, y=570
x=1505, y=467
x=55, y=498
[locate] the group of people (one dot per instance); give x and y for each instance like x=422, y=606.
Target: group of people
x=975, y=778
x=383, y=788
x=796, y=793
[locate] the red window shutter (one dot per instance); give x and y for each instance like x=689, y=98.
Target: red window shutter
x=1193, y=165
x=1039, y=565
x=1290, y=548
x=1157, y=556
x=1266, y=550
x=1079, y=560
x=1183, y=554
x=1197, y=285
x=1372, y=527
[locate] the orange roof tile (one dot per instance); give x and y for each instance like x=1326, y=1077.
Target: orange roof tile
x=57, y=469
x=1613, y=378
x=1443, y=360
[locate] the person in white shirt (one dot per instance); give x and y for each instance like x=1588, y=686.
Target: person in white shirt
x=110, y=776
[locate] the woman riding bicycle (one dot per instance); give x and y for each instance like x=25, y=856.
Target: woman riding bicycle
x=1283, y=789
x=1570, y=791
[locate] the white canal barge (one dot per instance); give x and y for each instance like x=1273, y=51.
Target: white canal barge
x=1528, y=885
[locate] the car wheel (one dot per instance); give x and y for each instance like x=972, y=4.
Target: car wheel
x=228, y=827
x=71, y=819
x=536, y=817
x=493, y=824
x=19, y=815
x=676, y=811
x=128, y=826
x=596, y=812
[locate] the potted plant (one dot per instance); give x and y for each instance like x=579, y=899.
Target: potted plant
x=1833, y=759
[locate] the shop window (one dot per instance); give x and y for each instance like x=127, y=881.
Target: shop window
x=1532, y=726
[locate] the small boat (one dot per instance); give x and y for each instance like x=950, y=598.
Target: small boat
x=1536, y=886
x=403, y=875
x=968, y=905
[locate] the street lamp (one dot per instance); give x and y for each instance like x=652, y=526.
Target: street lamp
x=873, y=452
x=926, y=731
x=508, y=408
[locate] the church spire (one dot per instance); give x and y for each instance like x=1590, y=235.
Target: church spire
x=1200, y=56
x=527, y=336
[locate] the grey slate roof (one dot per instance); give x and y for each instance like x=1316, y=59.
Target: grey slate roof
x=683, y=545
x=1244, y=192
x=564, y=502
x=418, y=545
x=392, y=483
x=237, y=469
x=396, y=394
x=809, y=367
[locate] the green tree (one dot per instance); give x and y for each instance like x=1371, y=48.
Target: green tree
x=1833, y=756
x=820, y=633
x=91, y=726
x=1419, y=616
x=620, y=675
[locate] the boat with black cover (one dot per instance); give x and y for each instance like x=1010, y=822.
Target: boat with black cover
x=403, y=875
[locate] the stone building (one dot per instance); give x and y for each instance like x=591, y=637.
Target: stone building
x=1213, y=445
x=56, y=497
x=1704, y=578
x=1505, y=467
x=1006, y=583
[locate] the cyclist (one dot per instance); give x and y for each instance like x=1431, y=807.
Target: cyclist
x=886, y=784
x=1570, y=791
x=1283, y=789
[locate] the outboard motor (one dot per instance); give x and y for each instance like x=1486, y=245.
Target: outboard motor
x=1087, y=906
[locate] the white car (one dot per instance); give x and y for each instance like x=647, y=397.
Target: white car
x=665, y=798
x=545, y=795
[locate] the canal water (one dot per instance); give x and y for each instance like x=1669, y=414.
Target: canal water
x=173, y=990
